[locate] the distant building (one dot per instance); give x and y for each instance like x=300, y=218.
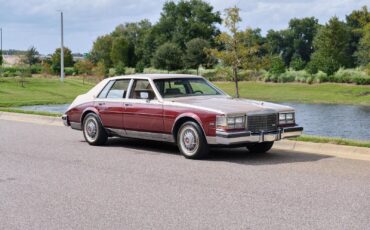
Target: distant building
x=10, y=60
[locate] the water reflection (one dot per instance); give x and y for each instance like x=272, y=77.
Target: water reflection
x=346, y=121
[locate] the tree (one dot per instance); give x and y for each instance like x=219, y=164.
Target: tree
x=303, y=32
x=168, y=56
x=120, y=51
x=297, y=63
x=46, y=68
x=140, y=41
x=55, y=59
x=238, y=51
x=277, y=65
x=101, y=51
x=84, y=67
x=100, y=70
x=31, y=56
x=357, y=20
x=295, y=41
x=363, y=53
x=195, y=54
x=331, y=45
x=281, y=43
x=186, y=20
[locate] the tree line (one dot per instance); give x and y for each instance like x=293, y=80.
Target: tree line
x=187, y=36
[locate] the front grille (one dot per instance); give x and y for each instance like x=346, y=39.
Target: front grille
x=262, y=122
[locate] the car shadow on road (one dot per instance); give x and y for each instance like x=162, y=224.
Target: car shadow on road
x=232, y=155
x=242, y=156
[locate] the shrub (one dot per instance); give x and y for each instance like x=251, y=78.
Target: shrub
x=321, y=77
x=362, y=80
x=130, y=71
x=297, y=63
x=100, y=70
x=36, y=69
x=120, y=69
x=277, y=65
x=68, y=71
x=309, y=80
x=111, y=72
x=286, y=77
x=139, y=68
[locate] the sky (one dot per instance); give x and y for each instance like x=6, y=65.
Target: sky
x=27, y=23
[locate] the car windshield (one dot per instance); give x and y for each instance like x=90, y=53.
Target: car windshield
x=185, y=87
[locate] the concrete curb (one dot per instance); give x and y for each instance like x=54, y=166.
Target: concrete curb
x=31, y=118
x=350, y=152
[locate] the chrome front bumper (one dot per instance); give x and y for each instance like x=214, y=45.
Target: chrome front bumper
x=230, y=138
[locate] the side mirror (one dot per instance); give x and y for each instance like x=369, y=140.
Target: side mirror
x=144, y=95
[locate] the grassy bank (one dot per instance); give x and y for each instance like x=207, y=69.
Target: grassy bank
x=327, y=93
x=40, y=91
x=337, y=141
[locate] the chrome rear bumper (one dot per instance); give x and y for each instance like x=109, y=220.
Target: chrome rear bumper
x=65, y=120
x=230, y=138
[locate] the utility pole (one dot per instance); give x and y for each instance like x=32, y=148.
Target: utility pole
x=1, y=51
x=1, y=40
x=61, y=49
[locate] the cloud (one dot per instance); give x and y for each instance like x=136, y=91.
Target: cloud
x=36, y=22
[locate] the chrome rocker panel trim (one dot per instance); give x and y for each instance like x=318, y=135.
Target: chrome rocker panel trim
x=143, y=135
x=228, y=138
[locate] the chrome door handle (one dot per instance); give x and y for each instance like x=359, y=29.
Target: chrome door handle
x=101, y=103
x=128, y=104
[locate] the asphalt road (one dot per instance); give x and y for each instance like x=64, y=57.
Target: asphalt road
x=51, y=179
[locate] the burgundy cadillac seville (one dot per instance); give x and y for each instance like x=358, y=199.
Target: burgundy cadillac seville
x=183, y=109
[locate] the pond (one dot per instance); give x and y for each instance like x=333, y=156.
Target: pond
x=345, y=121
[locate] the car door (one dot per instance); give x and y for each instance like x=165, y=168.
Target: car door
x=143, y=111
x=110, y=103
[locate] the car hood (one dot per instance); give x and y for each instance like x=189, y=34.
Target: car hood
x=229, y=105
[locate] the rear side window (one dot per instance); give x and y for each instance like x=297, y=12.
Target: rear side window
x=139, y=86
x=104, y=92
x=119, y=89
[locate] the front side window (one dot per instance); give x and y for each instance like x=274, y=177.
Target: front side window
x=185, y=87
x=118, y=89
x=141, y=89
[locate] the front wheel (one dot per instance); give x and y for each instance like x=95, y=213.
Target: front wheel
x=191, y=141
x=93, y=130
x=260, y=147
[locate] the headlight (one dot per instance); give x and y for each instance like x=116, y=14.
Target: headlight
x=230, y=122
x=286, y=118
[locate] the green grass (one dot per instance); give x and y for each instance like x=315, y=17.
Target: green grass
x=337, y=141
x=40, y=91
x=326, y=93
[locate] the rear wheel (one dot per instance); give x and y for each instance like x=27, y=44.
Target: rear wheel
x=191, y=141
x=260, y=147
x=93, y=130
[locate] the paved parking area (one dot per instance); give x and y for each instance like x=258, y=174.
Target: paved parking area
x=51, y=179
